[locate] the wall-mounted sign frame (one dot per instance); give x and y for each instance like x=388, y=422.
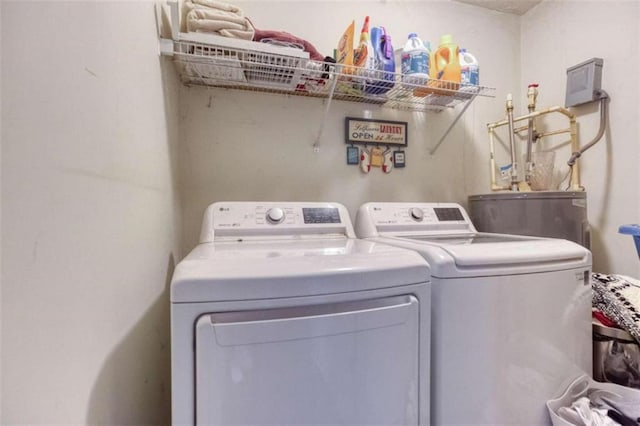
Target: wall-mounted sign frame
x=353, y=155
x=399, y=159
x=375, y=132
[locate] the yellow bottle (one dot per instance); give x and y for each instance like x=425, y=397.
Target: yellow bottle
x=445, y=64
x=345, y=50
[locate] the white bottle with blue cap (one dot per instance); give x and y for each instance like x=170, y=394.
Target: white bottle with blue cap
x=415, y=61
x=469, y=69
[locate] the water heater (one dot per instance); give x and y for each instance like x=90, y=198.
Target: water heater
x=554, y=214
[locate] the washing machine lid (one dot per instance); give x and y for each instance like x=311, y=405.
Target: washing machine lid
x=468, y=238
x=447, y=239
x=484, y=254
x=251, y=270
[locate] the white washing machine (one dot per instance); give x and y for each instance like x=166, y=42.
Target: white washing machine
x=280, y=316
x=511, y=315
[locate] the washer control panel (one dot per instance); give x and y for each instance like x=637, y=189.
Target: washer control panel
x=417, y=214
x=374, y=218
x=268, y=219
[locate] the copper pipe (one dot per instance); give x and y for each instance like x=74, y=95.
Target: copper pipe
x=512, y=144
x=535, y=114
x=573, y=130
x=532, y=94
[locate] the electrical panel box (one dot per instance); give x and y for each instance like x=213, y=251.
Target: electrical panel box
x=583, y=82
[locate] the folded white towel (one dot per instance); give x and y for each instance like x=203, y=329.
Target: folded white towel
x=212, y=4
x=217, y=17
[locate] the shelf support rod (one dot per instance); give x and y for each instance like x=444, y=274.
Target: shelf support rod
x=316, y=144
x=435, y=148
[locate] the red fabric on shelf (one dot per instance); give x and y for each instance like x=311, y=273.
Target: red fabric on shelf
x=289, y=38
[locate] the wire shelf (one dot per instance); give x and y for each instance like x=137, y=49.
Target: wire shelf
x=259, y=69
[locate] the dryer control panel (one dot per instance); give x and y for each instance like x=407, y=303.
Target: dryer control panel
x=275, y=219
x=432, y=218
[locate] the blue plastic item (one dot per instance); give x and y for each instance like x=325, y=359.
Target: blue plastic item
x=384, y=62
x=632, y=230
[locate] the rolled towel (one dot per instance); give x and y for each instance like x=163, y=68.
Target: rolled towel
x=218, y=18
x=212, y=4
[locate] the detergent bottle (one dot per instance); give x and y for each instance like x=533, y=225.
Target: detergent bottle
x=384, y=63
x=344, y=52
x=469, y=69
x=445, y=63
x=364, y=56
x=415, y=62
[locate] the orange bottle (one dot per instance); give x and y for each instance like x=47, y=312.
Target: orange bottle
x=363, y=56
x=445, y=64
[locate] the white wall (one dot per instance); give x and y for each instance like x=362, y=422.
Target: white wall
x=251, y=146
x=89, y=214
x=557, y=35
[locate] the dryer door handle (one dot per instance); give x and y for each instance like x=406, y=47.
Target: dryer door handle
x=275, y=325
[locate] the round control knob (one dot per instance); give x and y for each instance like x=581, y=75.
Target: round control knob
x=416, y=214
x=275, y=215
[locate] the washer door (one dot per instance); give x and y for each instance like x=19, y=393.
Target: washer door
x=352, y=363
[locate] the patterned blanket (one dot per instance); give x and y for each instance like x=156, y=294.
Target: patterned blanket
x=618, y=297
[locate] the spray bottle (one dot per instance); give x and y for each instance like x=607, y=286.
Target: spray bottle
x=364, y=54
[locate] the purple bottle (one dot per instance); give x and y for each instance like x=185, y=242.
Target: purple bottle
x=384, y=64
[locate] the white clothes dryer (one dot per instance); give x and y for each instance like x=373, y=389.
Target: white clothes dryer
x=280, y=316
x=511, y=315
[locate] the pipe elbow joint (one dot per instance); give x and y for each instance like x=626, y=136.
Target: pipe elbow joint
x=573, y=158
x=602, y=95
